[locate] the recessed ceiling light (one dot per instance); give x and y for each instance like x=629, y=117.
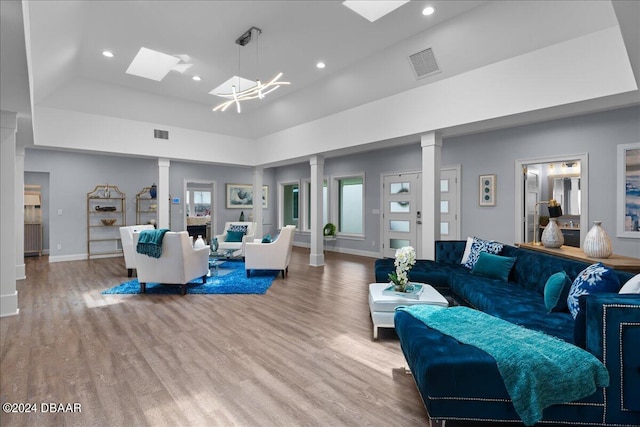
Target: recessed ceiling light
x=321, y=65
x=428, y=11
x=107, y=53
x=196, y=78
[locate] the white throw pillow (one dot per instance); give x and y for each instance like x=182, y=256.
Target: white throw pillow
x=467, y=250
x=632, y=286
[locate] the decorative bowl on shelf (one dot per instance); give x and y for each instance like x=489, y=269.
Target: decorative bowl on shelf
x=108, y=221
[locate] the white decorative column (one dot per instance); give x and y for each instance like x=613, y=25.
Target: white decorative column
x=20, y=267
x=163, y=193
x=258, y=174
x=431, y=152
x=316, y=255
x=8, y=293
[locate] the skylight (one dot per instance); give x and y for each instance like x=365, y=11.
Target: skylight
x=239, y=82
x=151, y=64
x=373, y=10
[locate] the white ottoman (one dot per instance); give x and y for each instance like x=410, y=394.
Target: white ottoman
x=383, y=307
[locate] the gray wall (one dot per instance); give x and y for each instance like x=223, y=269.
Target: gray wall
x=496, y=152
x=222, y=175
x=374, y=164
x=72, y=175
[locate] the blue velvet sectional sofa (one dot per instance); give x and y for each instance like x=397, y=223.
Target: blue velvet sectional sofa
x=461, y=382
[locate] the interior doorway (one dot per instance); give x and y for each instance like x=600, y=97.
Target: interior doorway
x=563, y=178
x=199, y=207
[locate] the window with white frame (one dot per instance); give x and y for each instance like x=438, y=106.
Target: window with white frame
x=349, y=204
x=307, y=204
x=289, y=204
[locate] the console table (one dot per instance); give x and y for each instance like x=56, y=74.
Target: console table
x=619, y=262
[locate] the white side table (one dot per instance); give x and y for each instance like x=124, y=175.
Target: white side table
x=382, y=307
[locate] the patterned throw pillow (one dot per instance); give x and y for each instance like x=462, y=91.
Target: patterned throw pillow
x=592, y=280
x=480, y=245
x=238, y=228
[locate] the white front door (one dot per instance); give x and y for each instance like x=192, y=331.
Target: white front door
x=401, y=212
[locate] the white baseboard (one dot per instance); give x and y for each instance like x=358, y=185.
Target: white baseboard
x=63, y=258
x=9, y=304
x=341, y=250
x=80, y=257
x=21, y=272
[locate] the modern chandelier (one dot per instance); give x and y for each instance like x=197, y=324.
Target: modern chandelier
x=257, y=91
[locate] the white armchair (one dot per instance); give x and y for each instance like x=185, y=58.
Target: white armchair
x=248, y=237
x=179, y=264
x=129, y=251
x=270, y=256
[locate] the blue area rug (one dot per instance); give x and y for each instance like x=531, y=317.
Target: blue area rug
x=231, y=279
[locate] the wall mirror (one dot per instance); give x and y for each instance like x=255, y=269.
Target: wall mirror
x=566, y=190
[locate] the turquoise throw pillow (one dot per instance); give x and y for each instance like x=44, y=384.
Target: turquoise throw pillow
x=494, y=266
x=266, y=239
x=234, y=236
x=597, y=278
x=556, y=291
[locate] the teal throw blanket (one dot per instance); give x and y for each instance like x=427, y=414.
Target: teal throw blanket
x=150, y=242
x=538, y=370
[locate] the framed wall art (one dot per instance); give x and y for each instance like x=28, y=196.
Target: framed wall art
x=628, y=191
x=240, y=196
x=487, y=190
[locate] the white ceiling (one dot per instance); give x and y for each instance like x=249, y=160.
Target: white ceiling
x=365, y=61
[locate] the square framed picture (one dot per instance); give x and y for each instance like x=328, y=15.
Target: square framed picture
x=240, y=196
x=628, y=191
x=487, y=190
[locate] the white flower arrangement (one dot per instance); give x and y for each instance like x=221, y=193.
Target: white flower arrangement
x=405, y=260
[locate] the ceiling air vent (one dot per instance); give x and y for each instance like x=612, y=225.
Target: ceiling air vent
x=424, y=63
x=160, y=134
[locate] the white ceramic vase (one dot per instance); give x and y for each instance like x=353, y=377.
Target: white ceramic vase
x=552, y=235
x=597, y=243
x=199, y=243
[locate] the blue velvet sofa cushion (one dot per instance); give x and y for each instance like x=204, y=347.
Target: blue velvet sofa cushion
x=511, y=302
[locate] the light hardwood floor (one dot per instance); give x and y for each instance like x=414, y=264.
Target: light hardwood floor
x=302, y=354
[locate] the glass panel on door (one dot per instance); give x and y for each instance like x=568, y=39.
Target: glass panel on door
x=398, y=243
x=444, y=228
x=403, y=226
x=399, y=187
x=399, y=207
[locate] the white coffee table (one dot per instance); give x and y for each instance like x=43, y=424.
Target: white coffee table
x=383, y=307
